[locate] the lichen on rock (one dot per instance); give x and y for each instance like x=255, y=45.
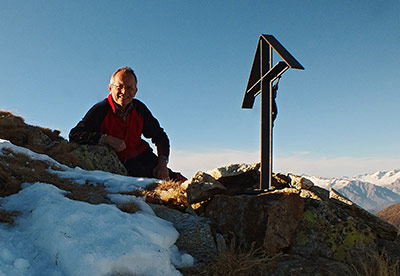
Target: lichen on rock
x=93, y=157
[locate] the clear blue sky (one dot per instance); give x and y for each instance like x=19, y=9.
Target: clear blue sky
x=339, y=116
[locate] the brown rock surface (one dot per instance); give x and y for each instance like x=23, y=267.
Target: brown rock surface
x=267, y=220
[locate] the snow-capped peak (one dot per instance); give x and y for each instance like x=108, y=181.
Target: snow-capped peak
x=380, y=178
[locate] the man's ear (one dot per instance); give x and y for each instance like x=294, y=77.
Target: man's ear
x=109, y=88
x=134, y=93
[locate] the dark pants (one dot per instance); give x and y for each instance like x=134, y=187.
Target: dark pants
x=144, y=164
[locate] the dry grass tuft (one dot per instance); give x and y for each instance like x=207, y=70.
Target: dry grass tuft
x=62, y=153
x=238, y=263
x=173, y=192
x=365, y=262
x=8, y=183
x=9, y=116
x=88, y=193
x=233, y=262
x=7, y=216
x=129, y=207
x=16, y=169
x=169, y=193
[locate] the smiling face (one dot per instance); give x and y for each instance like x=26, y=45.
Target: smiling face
x=123, y=88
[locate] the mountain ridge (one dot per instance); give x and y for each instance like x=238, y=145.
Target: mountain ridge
x=372, y=192
x=391, y=214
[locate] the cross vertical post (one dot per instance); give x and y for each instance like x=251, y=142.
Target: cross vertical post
x=266, y=118
x=262, y=76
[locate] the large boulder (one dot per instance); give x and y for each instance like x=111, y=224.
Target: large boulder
x=232, y=179
x=203, y=186
x=267, y=220
x=93, y=157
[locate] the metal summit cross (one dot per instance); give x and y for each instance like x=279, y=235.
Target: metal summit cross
x=262, y=76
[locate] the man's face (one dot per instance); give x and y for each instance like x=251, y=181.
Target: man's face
x=123, y=88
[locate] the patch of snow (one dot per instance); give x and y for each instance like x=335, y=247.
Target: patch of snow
x=54, y=235
x=114, y=183
x=78, y=238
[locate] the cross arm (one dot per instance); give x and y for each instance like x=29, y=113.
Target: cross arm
x=271, y=75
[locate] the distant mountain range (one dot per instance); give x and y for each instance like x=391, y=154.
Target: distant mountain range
x=373, y=192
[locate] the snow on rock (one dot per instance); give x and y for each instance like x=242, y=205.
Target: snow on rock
x=232, y=169
x=114, y=183
x=4, y=144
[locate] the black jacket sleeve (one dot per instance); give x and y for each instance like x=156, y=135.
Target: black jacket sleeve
x=153, y=130
x=87, y=131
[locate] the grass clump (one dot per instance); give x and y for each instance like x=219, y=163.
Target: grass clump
x=129, y=207
x=169, y=193
x=365, y=262
x=234, y=261
x=16, y=169
x=7, y=216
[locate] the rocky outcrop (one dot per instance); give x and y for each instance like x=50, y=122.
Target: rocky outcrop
x=49, y=142
x=308, y=224
x=233, y=170
x=331, y=229
x=14, y=129
x=237, y=179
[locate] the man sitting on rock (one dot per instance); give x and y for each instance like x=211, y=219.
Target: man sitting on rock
x=119, y=122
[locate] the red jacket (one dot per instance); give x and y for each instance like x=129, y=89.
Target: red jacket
x=102, y=119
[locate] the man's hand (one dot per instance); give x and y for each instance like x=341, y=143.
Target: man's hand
x=116, y=143
x=161, y=170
